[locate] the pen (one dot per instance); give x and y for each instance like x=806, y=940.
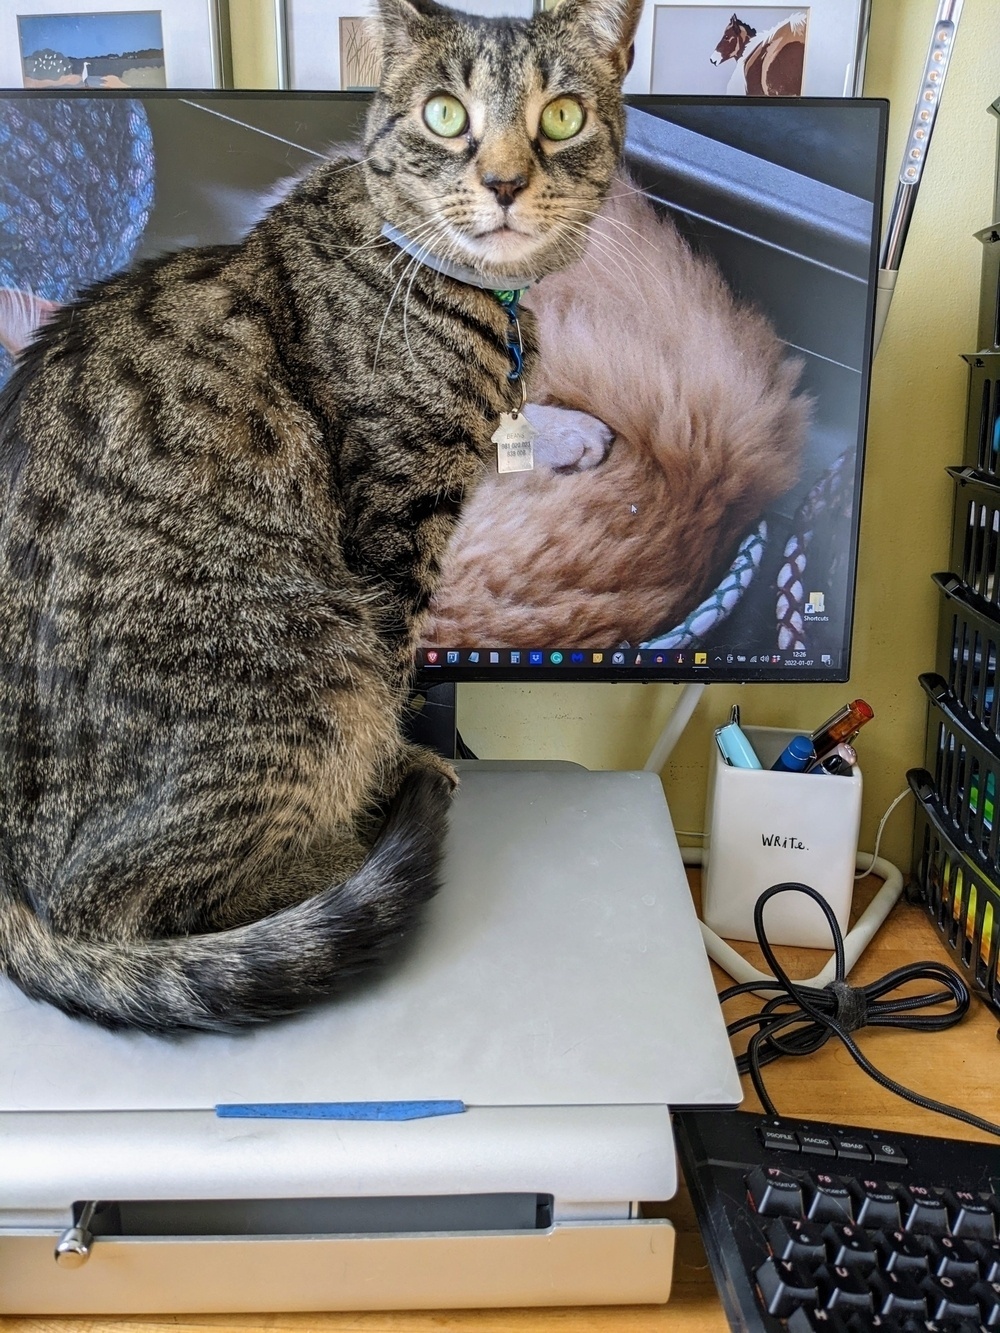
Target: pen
x=842, y=727
x=734, y=747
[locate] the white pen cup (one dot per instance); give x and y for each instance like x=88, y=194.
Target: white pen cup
x=765, y=827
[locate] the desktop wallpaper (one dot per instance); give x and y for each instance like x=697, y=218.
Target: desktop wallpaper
x=739, y=567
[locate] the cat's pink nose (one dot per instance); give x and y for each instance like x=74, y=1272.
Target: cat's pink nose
x=506, y=190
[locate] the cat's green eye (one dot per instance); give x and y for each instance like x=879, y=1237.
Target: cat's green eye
x=562, y=119
x=445, y=116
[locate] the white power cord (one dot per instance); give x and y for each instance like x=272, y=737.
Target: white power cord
x=855, y=943
x=867, y=870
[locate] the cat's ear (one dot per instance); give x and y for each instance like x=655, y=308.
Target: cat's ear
x=610, y=25
x=402, y=23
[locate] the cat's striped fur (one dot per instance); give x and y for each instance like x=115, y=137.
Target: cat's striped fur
x=221, y=523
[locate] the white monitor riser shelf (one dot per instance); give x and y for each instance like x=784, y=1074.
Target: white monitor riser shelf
x=557, y=986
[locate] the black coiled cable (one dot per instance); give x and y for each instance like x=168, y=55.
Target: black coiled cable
x=800, y=1019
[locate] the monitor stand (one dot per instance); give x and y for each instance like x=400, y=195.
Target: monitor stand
x=557, y=988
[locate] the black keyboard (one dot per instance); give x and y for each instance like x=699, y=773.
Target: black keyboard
x=816, y=1227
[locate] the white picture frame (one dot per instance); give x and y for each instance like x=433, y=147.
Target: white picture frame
x=676, y=39
x=188, y=55
x=313, y=40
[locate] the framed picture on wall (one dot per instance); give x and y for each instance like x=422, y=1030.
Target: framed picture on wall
x=109, y=44
x=756, y=50
x=332, y=43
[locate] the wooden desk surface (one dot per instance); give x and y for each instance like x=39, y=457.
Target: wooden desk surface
x=961, y=1066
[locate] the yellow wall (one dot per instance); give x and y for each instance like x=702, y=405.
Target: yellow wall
x=255, y=62
x=916, y=428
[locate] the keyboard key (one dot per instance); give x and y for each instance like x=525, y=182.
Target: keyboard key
x=849, y=1246
x=843, y=1289
x=889, y=1152
x=898, y=1295
x=875, y=1205
x=784, y=1286
x=923, y=1211
x=949, y=1299
x=808, y=1319
x=774, y=1193
x=781, y=1140
x=989, y=1260
x=855, y=1150
x=953, y=1258
x=969, y=1215
x=820, y=1144
x=793, y=1238
x=988, y=1296
x=901, y=1253
x=828, y=1198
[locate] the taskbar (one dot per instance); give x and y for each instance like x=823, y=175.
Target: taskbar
x=729, y=661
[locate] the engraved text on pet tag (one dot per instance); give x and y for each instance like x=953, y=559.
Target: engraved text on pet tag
x=513, y=439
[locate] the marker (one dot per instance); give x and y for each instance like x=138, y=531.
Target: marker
x=795, y=757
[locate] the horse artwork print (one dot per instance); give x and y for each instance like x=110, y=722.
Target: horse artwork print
x=768, y=64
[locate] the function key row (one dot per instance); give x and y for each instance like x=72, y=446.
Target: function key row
x=847, y=1147
x=819, y=1197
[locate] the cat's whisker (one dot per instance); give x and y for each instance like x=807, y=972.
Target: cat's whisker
x=624, y=227
x=630, y=189
x=604, y=248
x=426, y=233
x=421, y=236
x=385, y=318
x=412, y=268
x=373, y=243
x=623, y=249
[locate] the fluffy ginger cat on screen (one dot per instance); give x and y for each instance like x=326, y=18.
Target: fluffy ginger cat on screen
x=668, y=421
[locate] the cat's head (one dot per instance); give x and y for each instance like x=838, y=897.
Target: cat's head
x=493, y=141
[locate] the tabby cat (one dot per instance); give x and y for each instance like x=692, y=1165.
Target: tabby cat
x=227, y=479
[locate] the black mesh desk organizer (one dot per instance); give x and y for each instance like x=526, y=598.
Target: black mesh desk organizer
x=956, y=851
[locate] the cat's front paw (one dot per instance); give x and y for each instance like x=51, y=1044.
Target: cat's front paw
x=567, y=440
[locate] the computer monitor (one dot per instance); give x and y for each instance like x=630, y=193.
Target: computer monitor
x=779, y=202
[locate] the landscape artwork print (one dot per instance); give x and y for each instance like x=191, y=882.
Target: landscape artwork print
x=360, y=55
x=109, y=50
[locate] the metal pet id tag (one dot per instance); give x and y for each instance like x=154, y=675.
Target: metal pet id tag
x=513, y=439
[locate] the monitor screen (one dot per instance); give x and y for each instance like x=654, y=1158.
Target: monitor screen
x=700, y=400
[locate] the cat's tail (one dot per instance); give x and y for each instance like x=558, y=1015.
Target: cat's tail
x=265, y=970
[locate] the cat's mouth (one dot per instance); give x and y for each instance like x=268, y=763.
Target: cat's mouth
x=505, y=242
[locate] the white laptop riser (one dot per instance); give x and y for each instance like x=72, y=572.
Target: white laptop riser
x=557, y=986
